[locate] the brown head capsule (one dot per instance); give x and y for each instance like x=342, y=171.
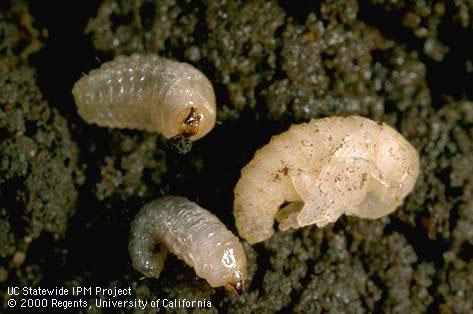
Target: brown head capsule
x=190, y=125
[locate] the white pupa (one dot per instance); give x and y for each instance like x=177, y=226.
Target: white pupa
x=150, y=93
x=195, y=235
x=317, y=171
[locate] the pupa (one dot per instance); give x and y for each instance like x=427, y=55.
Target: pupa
x=317, y=171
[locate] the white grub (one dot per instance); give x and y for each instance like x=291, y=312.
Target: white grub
x=150, y=93
x=192, y=233
x=317, y=171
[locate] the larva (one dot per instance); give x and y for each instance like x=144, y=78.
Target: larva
x=195, y=235
x=320, y=170
x=149, y=93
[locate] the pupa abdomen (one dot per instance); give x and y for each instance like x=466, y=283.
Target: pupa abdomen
x=194, y=235
x=147, y=92
x=320, y=170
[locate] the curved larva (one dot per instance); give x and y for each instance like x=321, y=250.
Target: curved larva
x=149, y=93
x=192, y=233
x=323, y=169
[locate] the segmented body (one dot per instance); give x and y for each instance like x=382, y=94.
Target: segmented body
x=321, y=170
x=149, y=93
x=195, y=235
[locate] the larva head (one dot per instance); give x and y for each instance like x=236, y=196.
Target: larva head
x=227, y=266
x=189, y=106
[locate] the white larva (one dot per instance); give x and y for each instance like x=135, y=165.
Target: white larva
x=321, y=170
x=192, y=233
x=147, y=92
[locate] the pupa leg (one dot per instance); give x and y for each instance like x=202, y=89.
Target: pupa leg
x=287, y=215
x=315, y=207
x=322, y=205
x=340, y=186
